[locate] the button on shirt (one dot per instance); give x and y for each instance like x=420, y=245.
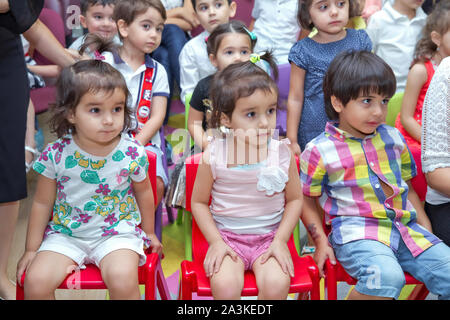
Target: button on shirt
x=345, y=173
x=134, y=82
x=394, y=37
x=276, y=26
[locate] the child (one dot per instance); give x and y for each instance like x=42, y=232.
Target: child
x=97, y=17
x=359, y=171
x=140, y=24
x=430, y=50
x=309, y=60
x=275, y=25
x=436, y=150
x=229, y=43
x=93, y=186
x=194, y=61
x=254, y=186
x=395, y=31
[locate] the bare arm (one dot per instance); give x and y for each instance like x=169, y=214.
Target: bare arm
x=417, y=77
x=438, y=179
x=295, y=106
x=43, y=40
x=312, y=220
x=51, y=71
x=200, y=210
x=155, y=122
x=195, y=128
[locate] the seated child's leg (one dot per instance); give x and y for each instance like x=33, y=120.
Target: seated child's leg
x=432, y=267
x=228, y=282
x=273, y=283
x=374, y=265
x=45, y=274
x=120, y=274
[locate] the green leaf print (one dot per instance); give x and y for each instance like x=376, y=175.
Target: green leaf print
x=90, y=206
x=89, y=176
x=39, y=167
x=75, y=225
x=70, y=162
x=118, y=156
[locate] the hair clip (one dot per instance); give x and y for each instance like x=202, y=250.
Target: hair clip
x=98, y=56
x=252, y=35
x=206, y=39
x=254, y=58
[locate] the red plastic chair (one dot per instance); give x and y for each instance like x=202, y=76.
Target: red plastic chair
x=150, y=274
x=336, y=273
x=193, y=277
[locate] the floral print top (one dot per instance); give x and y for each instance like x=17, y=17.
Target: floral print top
x=94, y=196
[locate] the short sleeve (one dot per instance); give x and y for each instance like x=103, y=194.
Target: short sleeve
x=199, y=94
x=139, y=166
x=46, y=164
x=161, y=83
x=298, y=55
x=256, y=9
x=365, y=42
x=408, y=165
x=21, y=16
x=312, y=171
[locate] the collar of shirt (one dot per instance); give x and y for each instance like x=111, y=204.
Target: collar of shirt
x=397, y=16
x=149, y=63
x=332, y=129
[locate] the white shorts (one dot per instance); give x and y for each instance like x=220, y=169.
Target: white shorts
x=92, y=251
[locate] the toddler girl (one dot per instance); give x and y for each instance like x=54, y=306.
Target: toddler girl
x=430, y=50
x=93, y=187
x=140, y=24
x=310, y=58
x=253, y=182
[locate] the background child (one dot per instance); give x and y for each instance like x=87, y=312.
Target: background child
x=394, y=31
x=436, y=150
x=85, y=188
x=359, y=171
x=309, y=60
x=255, y=189
x=275, y=24
x=430, y=50
x=140, y=24
x=194, y=60
x=97, y=17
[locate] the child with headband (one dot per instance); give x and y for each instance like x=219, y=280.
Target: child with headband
x=253, y=184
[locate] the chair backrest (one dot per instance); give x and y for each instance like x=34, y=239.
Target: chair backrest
x=394, y=107
x=54, y=22
x=152, y=173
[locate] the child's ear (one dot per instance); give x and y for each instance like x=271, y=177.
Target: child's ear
x=337, y=104
x=71, y=117
x=122, y=28
x=83, y=21
x=213, y=60
x=233, y=7
x=224, y=120
x=436, y=38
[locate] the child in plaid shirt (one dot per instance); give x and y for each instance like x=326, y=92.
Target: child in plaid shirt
x=359, y=171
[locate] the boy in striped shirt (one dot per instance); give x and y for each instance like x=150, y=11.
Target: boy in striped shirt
x=359, y=172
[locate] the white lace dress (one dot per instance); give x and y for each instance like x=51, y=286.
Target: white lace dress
x=436, y=127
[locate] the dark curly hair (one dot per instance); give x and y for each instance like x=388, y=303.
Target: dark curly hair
x=77, y=80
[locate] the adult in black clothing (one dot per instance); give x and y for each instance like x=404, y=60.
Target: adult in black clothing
x=16, y=17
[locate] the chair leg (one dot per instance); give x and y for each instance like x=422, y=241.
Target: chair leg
x=158, y=222
x=188, y=235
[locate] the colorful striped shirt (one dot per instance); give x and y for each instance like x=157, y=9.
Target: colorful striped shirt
x=344, y=172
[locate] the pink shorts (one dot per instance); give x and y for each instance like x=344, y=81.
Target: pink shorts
x=248, y=246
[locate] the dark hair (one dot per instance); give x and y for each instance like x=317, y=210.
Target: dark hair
x=85, y=4
x=77, y=80
x=193, y=4
x=125, y=10
x=238, y=80
x=304, y=18
x=355, y=73
x=438, y=20
x=233, y=26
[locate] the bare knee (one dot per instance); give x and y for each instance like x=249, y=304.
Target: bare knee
x=274, y=286
x=39, y=284
x=227, y=287
x=122, y=281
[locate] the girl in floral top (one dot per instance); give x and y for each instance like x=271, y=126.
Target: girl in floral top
x=93, y=188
